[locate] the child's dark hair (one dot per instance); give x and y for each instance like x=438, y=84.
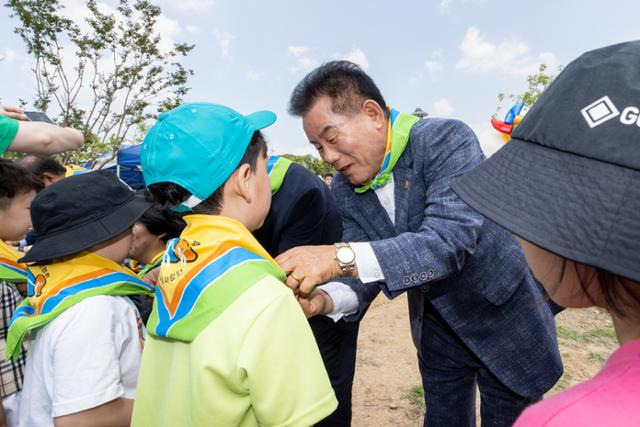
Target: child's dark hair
x=15, y=180
x=160, y=221
x=169, y=194
x=40, y=164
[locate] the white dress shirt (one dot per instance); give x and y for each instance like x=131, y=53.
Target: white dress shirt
x=345, y=300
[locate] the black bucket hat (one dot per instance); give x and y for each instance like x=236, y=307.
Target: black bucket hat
x=81, y=211
x=569, y=179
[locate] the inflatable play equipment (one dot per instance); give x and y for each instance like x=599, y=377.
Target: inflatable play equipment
x=511, y=120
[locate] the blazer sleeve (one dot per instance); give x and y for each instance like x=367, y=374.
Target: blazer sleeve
x=450, y=228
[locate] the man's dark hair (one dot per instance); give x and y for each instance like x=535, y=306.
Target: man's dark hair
x=343, y=82
x=40, y=164
x=15, y=180
x=169, y=194
x=327, y=174
x=163, y=221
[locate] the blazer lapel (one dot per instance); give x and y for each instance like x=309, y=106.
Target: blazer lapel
x=369, y=211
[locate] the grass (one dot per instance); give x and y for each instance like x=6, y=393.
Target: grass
x=585, y=337
x=415, y=396
x=598, y=357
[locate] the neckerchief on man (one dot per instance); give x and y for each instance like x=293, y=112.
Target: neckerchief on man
x=53, y=288
x=277, y=168
x=214, y=261
x=155, y=262
x=10, y=269
x=400, y=125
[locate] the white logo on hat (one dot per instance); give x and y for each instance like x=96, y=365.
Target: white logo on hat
x=599, y=112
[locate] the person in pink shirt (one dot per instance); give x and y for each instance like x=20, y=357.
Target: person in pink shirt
x=568, y=186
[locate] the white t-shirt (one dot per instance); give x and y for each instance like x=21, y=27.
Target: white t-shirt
x=87, y=356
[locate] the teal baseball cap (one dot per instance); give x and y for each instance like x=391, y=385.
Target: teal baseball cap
x=198, y=146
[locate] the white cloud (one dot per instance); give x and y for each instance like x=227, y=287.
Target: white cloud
x=193, y=29
x=434, y=65
x=304, y=60
x=254, y=76
x=298, y=51
x=510, y=56
x=224, y=41
x=442, y=108
x=355, y=55
x=447, y=6
x=193, y=4
x=489, y=138
x=8, y=55
x=169, y=30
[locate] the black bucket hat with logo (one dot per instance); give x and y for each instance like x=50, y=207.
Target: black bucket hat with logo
x=81, y=211
x=569, y=179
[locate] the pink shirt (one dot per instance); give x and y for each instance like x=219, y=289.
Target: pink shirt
x=611, y=398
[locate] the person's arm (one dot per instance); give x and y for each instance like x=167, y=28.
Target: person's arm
x=45, y=138
x=439, y=248
x=450, y=228
x=346, y=298
x=115, y=413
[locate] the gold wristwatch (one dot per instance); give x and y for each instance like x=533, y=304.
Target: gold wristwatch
x=346, y=258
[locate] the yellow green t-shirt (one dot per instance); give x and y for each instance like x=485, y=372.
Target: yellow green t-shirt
x=8, y=131
x=256, y=364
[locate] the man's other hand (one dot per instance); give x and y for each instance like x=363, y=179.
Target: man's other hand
x=319, y=302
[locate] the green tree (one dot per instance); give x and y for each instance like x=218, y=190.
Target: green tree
x=536, y=84
x=314, y=164
x=106, y=75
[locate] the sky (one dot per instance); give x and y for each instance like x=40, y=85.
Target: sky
x=449, y=57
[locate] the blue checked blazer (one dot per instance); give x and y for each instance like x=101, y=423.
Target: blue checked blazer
x=472, y=270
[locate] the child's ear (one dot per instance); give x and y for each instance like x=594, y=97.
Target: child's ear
x=244, y=176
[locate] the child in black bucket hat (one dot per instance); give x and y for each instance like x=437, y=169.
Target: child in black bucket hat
x=568, y=185
x=86, y=345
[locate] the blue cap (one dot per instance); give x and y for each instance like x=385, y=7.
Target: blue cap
x=198, y=146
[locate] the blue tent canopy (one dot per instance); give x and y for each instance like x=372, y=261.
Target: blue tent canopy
x=127, y=166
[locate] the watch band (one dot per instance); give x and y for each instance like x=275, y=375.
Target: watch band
x=345, y=267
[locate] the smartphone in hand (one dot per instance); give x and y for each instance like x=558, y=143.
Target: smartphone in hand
x=36, y=116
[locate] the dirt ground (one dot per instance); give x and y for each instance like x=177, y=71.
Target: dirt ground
x=387, y=388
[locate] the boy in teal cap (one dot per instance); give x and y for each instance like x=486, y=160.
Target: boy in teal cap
x=228, y=344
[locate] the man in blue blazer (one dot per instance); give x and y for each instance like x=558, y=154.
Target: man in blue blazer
x=477, y=315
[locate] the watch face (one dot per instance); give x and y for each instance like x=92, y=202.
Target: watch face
x=345, y=255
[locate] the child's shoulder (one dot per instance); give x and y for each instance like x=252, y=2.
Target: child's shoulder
x=95, y=311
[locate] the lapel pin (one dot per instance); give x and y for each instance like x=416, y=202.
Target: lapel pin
x=406, y=184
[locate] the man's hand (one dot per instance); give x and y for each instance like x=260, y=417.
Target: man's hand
x=13, y=112
x=318, y=303
x=309, y=266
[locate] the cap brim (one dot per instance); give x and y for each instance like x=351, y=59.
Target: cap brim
x=88, y=235
x=579, y=208
x=262, y=119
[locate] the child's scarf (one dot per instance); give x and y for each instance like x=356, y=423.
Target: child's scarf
x=400, y=125
x=213, y=262
x=155, y=262
x=10, y=269
x=55, y=287
x=277, y=168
